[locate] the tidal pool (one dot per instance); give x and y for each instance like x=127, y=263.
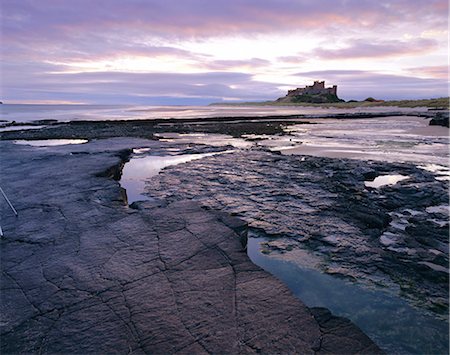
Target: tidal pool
x=214, y=140
x=19, y=128
x=396, y=326
x=50, y=142
x=405, y=139
x=142, y=167
x=384, y=180
x=442, y=172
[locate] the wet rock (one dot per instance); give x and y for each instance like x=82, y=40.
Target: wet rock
x=239, y=226
x=369, y=217
x=370, y=175
x=334, y=335
x=115, y=171
x=338, y=218
x=441, y=119
x=82, y=273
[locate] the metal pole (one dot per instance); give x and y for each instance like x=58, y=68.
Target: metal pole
x=1, y=232
x=9, y=202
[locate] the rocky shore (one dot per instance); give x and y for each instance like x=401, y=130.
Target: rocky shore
x=394, y=236
x=233, y=126
x=84, y=273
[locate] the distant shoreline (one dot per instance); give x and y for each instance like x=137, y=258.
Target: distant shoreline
x=440, y=103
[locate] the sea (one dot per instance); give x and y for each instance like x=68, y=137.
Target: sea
x=22, y=113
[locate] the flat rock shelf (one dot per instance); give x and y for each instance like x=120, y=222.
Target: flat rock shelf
x=84, y=273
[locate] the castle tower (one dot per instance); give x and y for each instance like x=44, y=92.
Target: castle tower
x=334, y=90
x=318, y=85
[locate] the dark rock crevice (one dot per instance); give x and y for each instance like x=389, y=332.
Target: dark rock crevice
x=333, y=329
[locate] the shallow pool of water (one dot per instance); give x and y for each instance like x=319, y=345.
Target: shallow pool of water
x=384, y=180
x=50, y=142
x=214, y=140
x=406, y=139
x=19, y=128
x=143, y=167
x=441, y=172
x=391, y=322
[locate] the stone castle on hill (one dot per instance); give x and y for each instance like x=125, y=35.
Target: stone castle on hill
x=317, y=88
x=316, y=93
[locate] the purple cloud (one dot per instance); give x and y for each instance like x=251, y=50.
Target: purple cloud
x=61, y=19
x=366, y=48
x=37, y=83
x=232, y=64
x=35, y=33
x=435, y=71
x=359, y=84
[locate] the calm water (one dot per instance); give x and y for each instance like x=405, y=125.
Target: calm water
x=142, y=167
x=406, y=139
x=384, y=180
x=28, y=113
x=50, y=142
x=388, y=320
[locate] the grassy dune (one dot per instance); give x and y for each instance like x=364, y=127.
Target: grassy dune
x=442, y=102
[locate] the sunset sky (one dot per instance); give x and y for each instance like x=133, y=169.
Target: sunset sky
x=203, y=51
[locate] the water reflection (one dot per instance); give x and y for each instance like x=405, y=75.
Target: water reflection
x=214, y=140
x=442, y=172
x=143, y=167
x=390, y=321
x=384, y=180
x=50, y=142
x=392, y=139
x=19, y=128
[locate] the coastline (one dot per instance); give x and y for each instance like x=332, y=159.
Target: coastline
x=98, y=290
x=442, y=102
x=235, y=126
x=154, y=132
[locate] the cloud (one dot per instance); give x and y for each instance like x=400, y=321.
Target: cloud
x=235, y=64
x=367, y=48
x=359, y=84
x=294, y=59
x=84, y=30
x=201, y=18
x=35, y=34
x=38, y=83
x=436, y=71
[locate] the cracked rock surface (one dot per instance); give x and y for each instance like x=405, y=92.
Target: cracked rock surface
x=81, y=272
x=395, y=236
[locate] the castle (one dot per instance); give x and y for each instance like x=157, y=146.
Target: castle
x=317, y=88
x=316, y=93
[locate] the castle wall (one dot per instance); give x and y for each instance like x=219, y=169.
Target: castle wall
x=317, y=88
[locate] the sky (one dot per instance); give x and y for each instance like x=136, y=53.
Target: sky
x=195, y=52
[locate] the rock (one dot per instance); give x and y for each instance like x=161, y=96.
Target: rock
x=335, y=338
x=284, y=196
x=370, y=218
x=435, y=267
x=239, y=226
x=370, y=175
x=441, y=119
x=83, y=273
